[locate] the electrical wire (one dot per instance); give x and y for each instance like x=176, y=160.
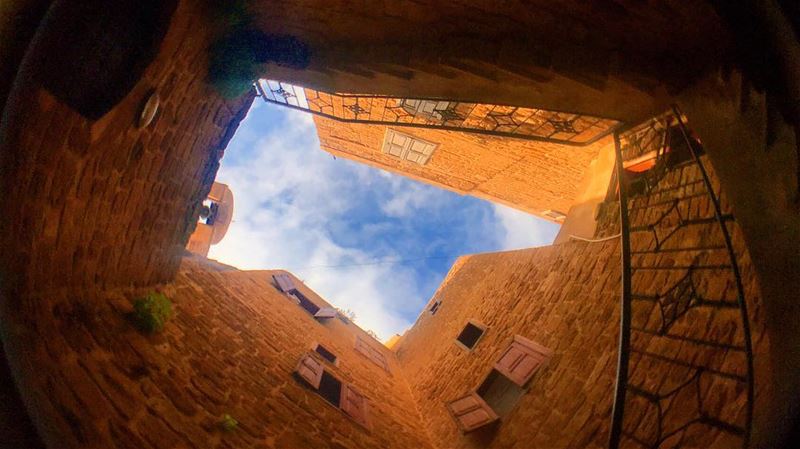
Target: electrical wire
x=375, y=262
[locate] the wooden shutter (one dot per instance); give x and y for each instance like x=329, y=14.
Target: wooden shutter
x=310, y=370
x=294, y=298
x=354, y=404
x=325, y=312
x=284, y=282
x=375, y=355
x=520, y=361
x=471, y=412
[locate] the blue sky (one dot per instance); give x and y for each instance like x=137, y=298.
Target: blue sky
x=340, y=225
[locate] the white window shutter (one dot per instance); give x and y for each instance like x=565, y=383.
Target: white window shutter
x=325, y=312
x=406, y=147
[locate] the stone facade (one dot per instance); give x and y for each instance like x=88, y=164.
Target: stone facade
x=531, y=176
x=563, y=297
x=107, y=203
x=600, y=60
x=97, y=213
x=566, y=298
x=231, y=348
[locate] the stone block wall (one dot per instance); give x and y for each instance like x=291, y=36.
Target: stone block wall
x=563, y=297
x=105, y=203
x=617, y=61
x=530, y=176
x=566, y=297
x=92, y=380
x=699, y=365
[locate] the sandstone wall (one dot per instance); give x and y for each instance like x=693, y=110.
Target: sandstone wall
x=95, y=381
x=607, y=60
x=530, y=176
x=105, y=203
x=89, y=205
x=563, y=297
x=566, y=297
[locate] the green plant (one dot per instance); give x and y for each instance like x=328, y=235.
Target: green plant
x=152, y=311
x=228, y=423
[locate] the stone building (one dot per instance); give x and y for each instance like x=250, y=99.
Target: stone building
x=672, y=326
x=539, y=178
x=215, y=218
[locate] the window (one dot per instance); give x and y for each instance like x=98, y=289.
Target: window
x=431, y=109
x=435, y=307
x=345, y=397
x=471, y=412
x=304, y=302
x=503, y=387
x=520, y=361
x=284, y=283
x=500, y=393
x=470, y=335
x=327, y=355
x=407, y=147
x=208, y=212
x=373, y=354
x=325, y=312
x=355, y=405
x=330, y=388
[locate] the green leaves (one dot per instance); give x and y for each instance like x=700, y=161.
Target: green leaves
x=152, y=312
x=228, y=423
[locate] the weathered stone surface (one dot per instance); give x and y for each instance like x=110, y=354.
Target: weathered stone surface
x=108, y=191
x=527, y=175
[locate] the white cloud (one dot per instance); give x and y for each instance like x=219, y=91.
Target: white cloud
x=523, y=230
x=286, y=197
x=295, y=209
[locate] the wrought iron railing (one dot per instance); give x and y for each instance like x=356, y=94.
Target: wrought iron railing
x=492, y=119
x=685, y=369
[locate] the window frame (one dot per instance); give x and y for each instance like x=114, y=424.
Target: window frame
x=530, y=350
x=480, y=404
x=345, y=390
x=407, y=149
x=493, y=371
x=384, y=363
x=474, y=323
x=315, y=345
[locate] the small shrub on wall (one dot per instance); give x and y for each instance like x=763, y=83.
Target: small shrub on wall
x=151, y=312
x=228, y=423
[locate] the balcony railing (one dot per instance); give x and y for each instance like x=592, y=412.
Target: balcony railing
x=685, y=369
x=445, y=114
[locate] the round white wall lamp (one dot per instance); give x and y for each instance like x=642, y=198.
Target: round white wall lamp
x=149, y=110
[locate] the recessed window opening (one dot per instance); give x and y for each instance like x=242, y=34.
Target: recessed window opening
x=208, y=212
x=500, y=393
x=371, y=353
x=429, y=109
x=407, y=147
x=305, y=303
x=330, y=388
x=325, y=353
x=470, y=335
x=435, y=307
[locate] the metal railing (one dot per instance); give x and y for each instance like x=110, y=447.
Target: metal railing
x=444, y=114
x=685, y=368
